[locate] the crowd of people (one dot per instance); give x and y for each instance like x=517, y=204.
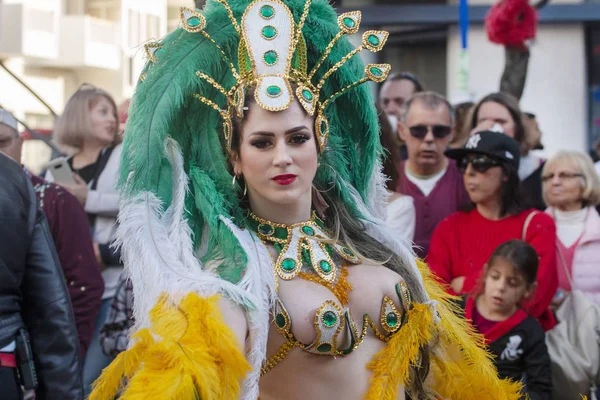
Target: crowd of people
x=511, y=235
x=482, y=197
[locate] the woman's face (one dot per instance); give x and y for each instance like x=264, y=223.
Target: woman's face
x=277, y=156
x=103, y=120
x=563, y=187
x=491, y=113
x=484, y=186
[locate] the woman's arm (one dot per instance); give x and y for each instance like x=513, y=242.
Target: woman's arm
x=541, y=234
x=439, y=257
x=101, y=203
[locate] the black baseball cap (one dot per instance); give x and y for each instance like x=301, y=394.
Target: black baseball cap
x=492, y=144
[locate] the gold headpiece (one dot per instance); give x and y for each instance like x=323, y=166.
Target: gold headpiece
x=272, y=57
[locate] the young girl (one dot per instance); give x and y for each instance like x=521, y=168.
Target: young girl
x=515, y=338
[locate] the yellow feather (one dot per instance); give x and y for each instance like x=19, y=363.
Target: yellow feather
x=391, y=365
x=197, y=356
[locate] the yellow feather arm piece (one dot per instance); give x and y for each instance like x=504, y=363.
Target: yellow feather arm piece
x=391, y=366
x=187, y=353
x=461, y=367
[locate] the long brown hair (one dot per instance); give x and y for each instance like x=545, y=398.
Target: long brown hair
x=511, y=104
x=390, y=145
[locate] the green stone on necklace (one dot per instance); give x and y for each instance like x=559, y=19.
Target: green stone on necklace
x=266, y=229
x=308, y=231
x=325, y=267
x=347, y=252
x=288, y=265
x=329, y=318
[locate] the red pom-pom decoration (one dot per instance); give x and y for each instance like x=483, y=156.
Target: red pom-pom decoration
x=511, y=23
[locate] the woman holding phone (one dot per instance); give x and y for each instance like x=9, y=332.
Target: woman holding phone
x=87, y=130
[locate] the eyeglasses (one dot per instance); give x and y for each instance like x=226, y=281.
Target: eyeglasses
x=480, y=163
x=561, y=176
x=439, y=131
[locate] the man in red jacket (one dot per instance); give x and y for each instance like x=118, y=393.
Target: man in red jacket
x=72, y=238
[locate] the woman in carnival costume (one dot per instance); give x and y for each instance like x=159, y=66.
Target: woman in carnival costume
x=252, y=224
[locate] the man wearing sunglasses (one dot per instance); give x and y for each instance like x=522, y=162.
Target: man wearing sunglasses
x=431, y=179
x=396, y=91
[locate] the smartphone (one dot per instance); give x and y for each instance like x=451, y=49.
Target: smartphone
x=61, y=171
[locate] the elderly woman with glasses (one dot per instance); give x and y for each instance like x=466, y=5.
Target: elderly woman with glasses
x=463, y=242
x=572, y=190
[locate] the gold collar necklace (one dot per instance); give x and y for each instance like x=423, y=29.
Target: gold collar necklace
x=305, y=243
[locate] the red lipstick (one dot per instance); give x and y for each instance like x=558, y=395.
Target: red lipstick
x=286, y=179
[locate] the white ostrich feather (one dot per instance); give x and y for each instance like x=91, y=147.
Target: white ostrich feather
x=259, y=279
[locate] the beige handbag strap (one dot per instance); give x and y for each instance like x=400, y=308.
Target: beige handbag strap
x=527, y=222
x=564, y=264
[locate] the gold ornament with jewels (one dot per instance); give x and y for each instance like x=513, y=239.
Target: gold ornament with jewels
x=272, y=60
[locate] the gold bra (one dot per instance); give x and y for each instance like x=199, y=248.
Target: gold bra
x=330, y=320
x=306, y=251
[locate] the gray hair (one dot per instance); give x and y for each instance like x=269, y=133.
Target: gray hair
x=431, y=100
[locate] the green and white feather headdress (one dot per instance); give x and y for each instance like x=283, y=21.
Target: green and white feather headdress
x=181, y=221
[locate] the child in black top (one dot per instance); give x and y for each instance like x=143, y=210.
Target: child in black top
x=515, y=338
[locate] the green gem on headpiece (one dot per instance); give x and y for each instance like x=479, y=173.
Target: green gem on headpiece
x=267, y=12
x=271, y=57
x=374, y=40
x=269, y=32
x=191, y=20
x=273, y=91
x=349, y=22
x=377, y=72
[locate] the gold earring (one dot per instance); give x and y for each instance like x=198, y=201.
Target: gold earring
x=245, y=185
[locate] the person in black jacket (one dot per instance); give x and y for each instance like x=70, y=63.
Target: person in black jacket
x=515, y=338
x=33, y=299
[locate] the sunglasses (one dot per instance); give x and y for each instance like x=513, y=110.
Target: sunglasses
x=439, y=131
x=479, y=163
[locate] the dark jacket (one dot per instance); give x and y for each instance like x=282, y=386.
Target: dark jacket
x=33, y=293
x=532, y=190
x=519, y=349
x=70, y=230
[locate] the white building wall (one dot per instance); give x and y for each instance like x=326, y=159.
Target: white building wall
x=555, y=90
x=90, y=56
